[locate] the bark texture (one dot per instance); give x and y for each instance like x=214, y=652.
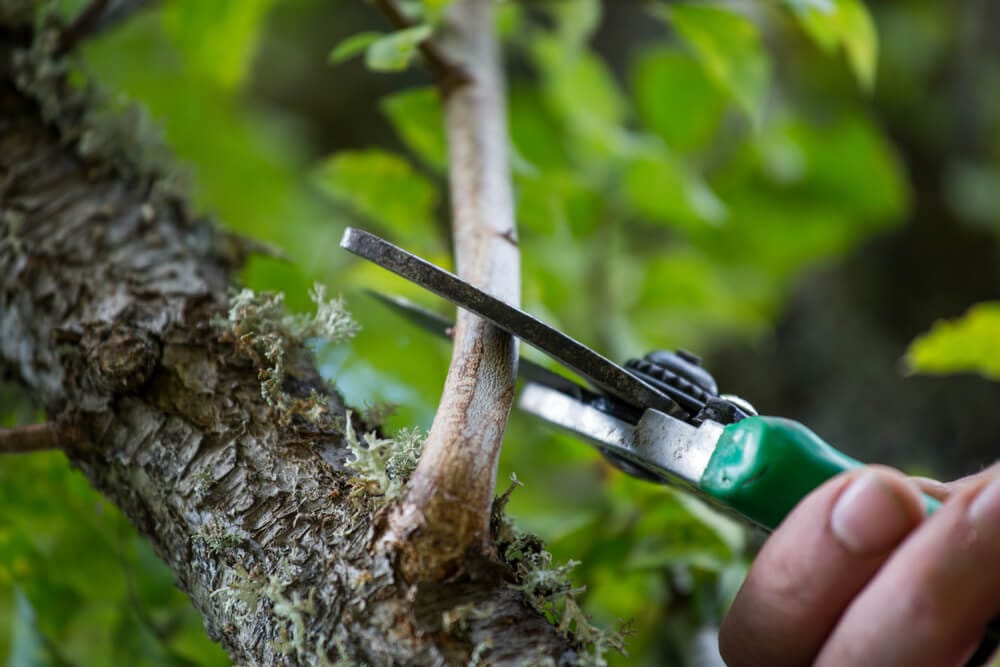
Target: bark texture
x=445, y=514
x=109, y=308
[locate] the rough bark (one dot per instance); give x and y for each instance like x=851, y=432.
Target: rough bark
x=109, y=304
x=445, y=514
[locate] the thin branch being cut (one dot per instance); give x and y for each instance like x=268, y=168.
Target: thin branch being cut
x=448, y=75
x=35, y=438
x=445, y=514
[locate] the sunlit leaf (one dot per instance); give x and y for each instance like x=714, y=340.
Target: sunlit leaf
x=582, y=93
x=676, y=100
x=353, y=45
x=218, y=38
x=729, y=47
x=847, y=164
x=383, y=187
x=416, y=115
x=395, y=51
x=846, y=23
x=969, y=344
x=662, y=188
x=577, y=20
x=434, y=9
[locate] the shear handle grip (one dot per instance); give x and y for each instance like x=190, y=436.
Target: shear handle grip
x=763, y=466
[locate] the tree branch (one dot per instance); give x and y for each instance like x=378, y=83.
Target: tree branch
x=447, y=74
x=33, y=438
x=446, y=511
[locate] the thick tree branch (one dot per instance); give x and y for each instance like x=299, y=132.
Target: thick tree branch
x=252, y=509
x=445, y=513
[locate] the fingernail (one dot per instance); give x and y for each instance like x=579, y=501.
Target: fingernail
x=985, y=509
x=870, y=517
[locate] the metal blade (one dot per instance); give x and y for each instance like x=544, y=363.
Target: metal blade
x=430, y=321
x=665, y=448
x=424, y=318
x=602, y=372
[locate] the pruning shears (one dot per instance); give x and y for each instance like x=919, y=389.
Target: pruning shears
x=659, y=418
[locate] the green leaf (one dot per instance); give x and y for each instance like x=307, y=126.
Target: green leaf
x=676, y=100
x=664, y=189
x=847, y=165
x=581, y=92
x=729, y=48
x=417, y=116
x=395, y=51
x=434, y=9
x=676, y=535
x=969, y=344
x=535, y=129
x=353, y=45
x=576, y=20
x=844, y=23
x=217, y=38
x=381, y=186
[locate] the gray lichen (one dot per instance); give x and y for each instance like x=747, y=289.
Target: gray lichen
x=247, y=592
x=549, y=587
x=383, y=465
x=263, y=330
x=218, y=539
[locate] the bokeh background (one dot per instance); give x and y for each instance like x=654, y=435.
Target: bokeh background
x=795, y=190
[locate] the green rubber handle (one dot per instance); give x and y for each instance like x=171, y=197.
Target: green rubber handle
x=763, y=466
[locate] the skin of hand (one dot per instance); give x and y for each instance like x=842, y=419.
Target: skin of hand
x=856, y=575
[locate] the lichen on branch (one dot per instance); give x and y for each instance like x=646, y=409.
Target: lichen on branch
x=383, y=465
x=263, y=330
x=550, y=587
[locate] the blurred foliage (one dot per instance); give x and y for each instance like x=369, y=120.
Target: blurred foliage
x=78, y=585
x=968, y=344
x=384, y=53
x=670, y=203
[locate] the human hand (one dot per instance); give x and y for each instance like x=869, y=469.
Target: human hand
x=856, y=576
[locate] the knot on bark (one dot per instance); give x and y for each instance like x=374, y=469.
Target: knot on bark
x=122, y=357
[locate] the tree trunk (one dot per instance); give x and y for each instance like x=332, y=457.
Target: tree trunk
x=109, y=311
